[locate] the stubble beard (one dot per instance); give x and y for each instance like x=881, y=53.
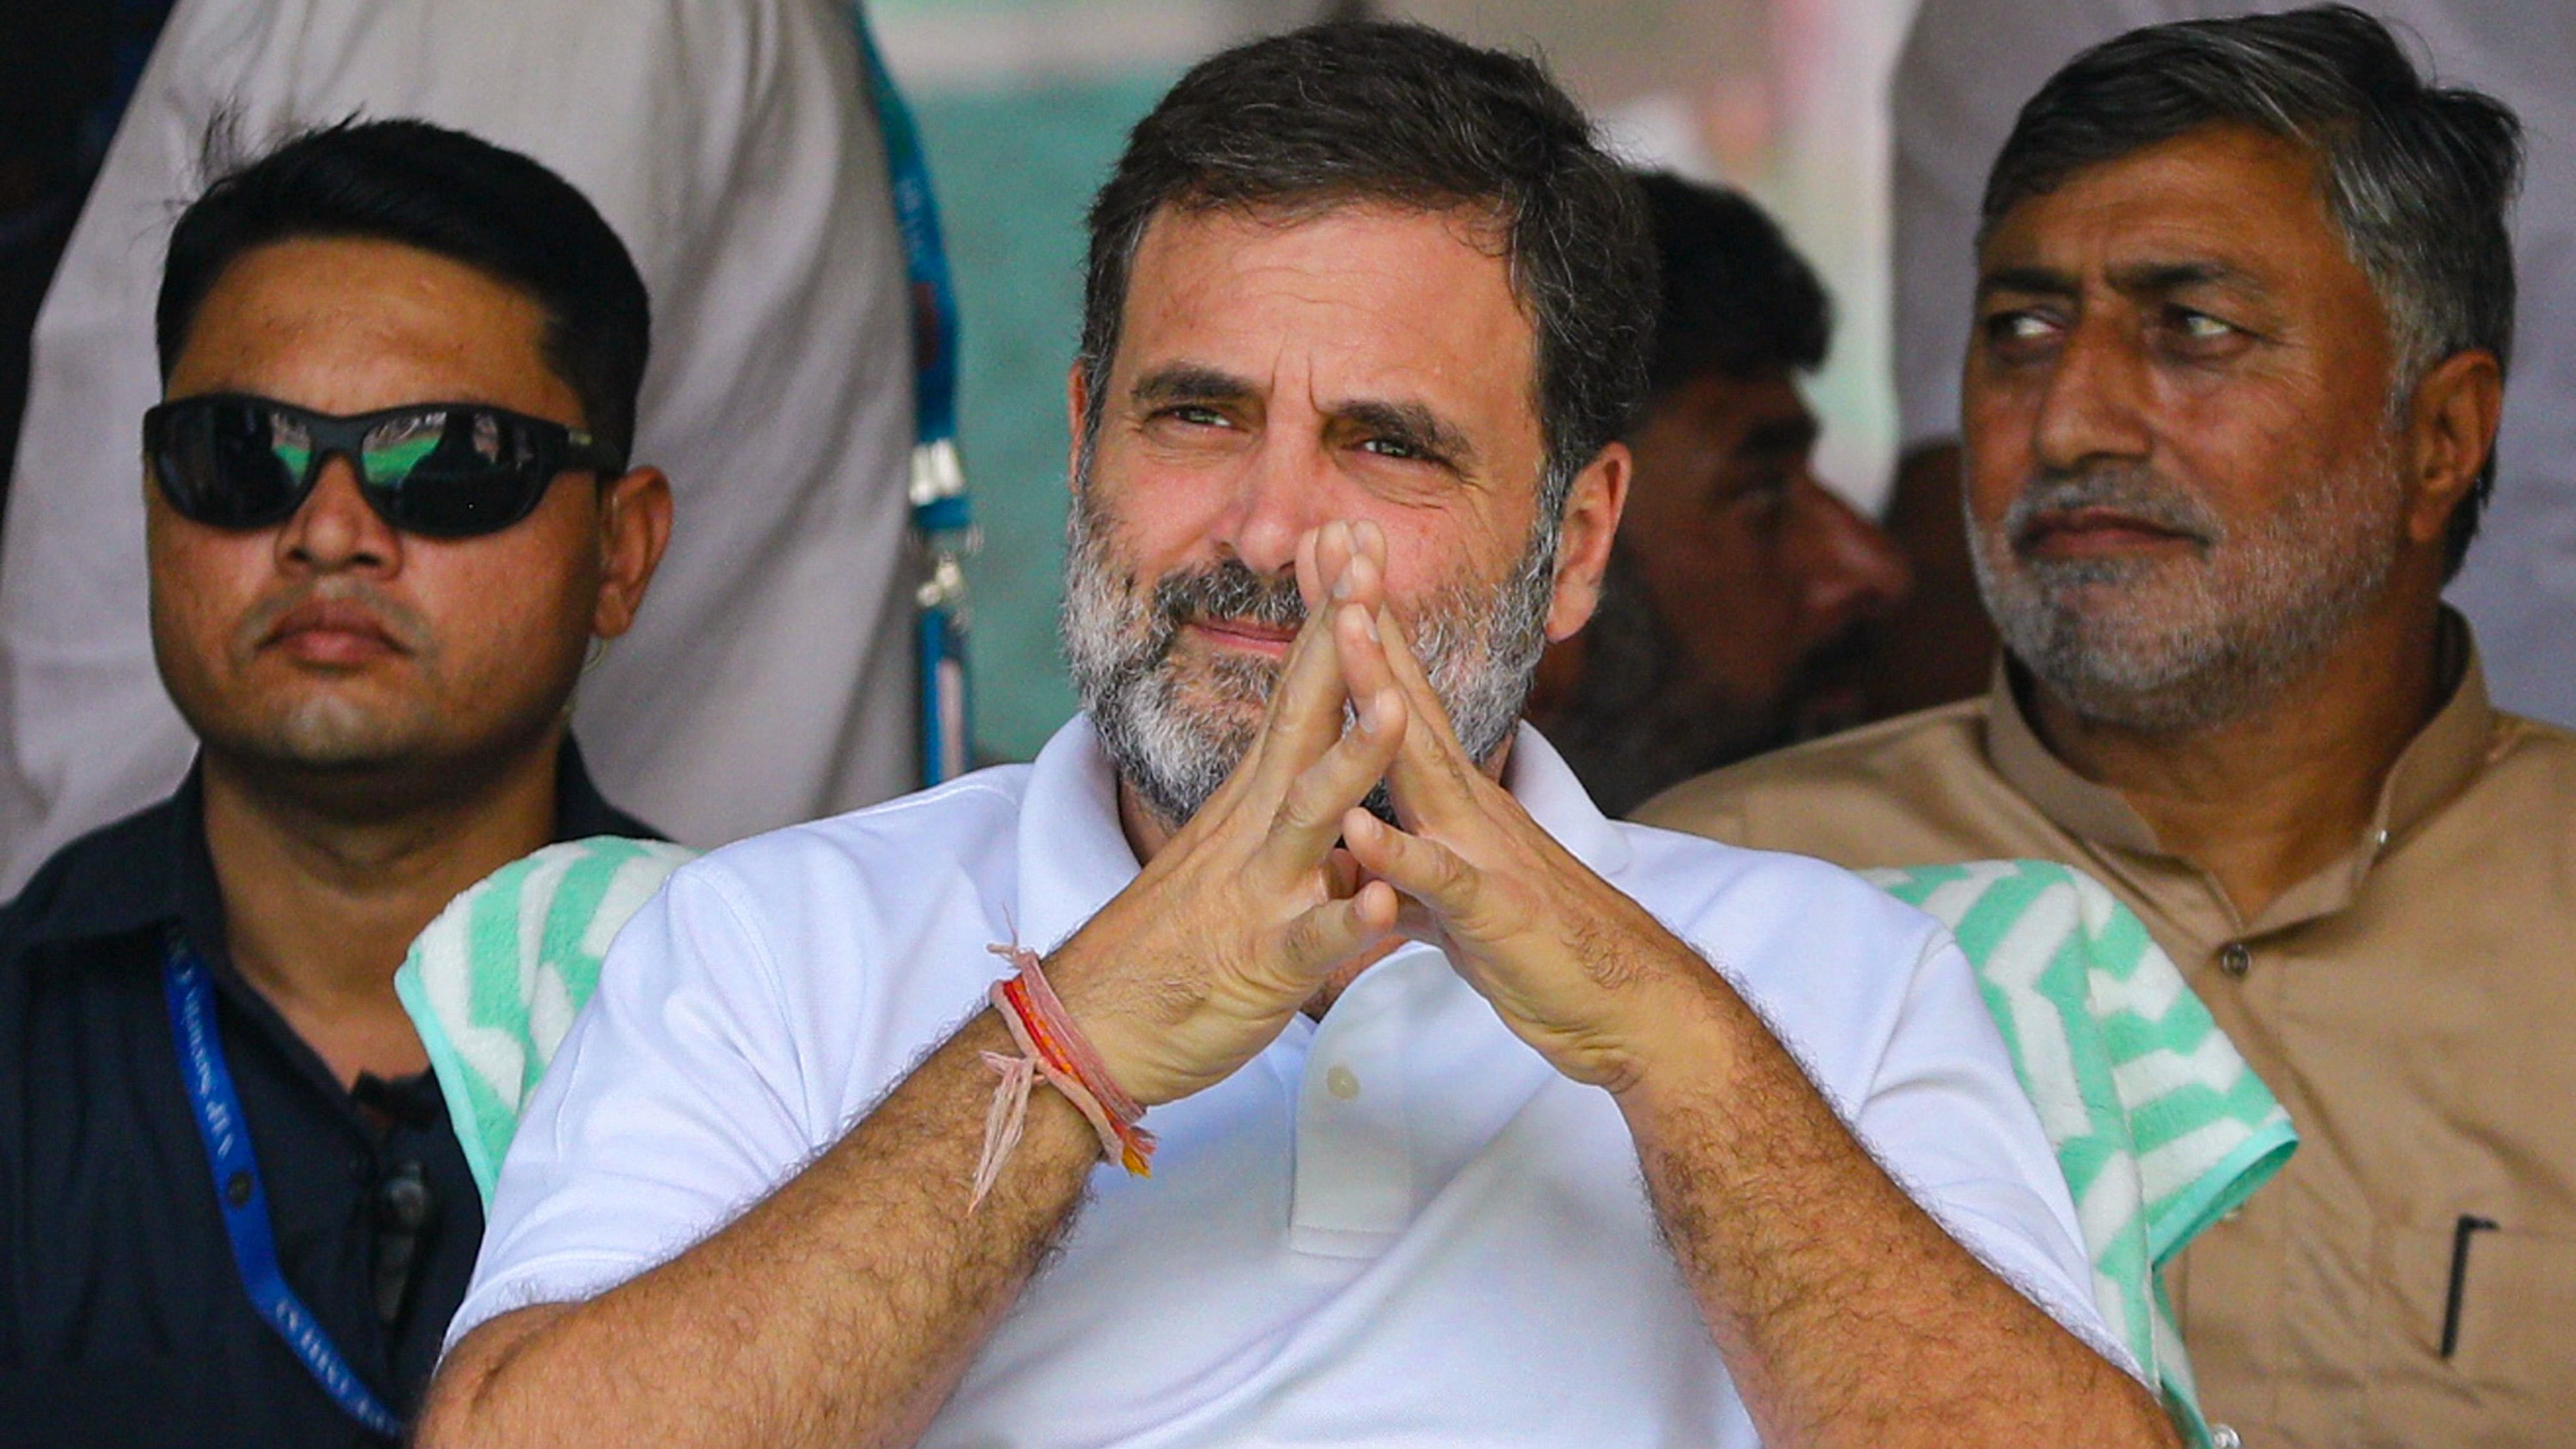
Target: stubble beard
x=318, y=722
x=2181, y=645
x=1175, y=734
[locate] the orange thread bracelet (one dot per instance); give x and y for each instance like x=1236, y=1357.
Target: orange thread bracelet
x=1052, y=1047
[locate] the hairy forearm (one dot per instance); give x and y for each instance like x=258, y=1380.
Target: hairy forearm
x=1844, y=1312
x=839, y=1311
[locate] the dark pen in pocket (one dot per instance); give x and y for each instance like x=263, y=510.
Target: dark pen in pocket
x=2468, y=1225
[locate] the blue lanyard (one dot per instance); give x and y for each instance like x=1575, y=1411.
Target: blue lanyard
x=940, y=513
x=239, y=1194
x=925, y=258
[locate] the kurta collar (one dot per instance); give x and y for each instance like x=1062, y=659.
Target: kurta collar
x=2434, y=767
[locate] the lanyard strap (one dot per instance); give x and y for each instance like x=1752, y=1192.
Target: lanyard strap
x=239, y=1194
x=925, y=258
x=940, y=513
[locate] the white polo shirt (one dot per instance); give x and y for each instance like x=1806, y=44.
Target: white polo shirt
x=1395, y=1226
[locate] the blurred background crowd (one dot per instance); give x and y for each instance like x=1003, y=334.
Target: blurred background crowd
x=1860, y=126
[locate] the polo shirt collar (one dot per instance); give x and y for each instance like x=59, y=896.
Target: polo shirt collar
x=2434, y=767
x=1073, y=855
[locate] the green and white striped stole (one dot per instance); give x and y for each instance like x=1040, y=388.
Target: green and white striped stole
x=2158, y=1123
x=493, y=984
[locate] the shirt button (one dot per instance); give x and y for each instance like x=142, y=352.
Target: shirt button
x=2223, y=1437
x=1342, y=1082
x=2235, y=959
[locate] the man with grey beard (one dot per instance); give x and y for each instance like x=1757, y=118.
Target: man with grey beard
x=2242, y=323
x=1454, y=1133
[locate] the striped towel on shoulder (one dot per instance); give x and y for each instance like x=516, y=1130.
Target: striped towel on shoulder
x=494, y=982
x=2158, y=1123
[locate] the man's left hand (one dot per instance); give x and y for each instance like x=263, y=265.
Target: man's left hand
x=1577, y=969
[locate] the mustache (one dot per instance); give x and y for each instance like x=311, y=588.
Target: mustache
x=2127, y=490
x=408, y=627
x=1229, y=590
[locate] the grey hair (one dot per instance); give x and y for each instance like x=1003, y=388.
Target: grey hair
x=2419, y=180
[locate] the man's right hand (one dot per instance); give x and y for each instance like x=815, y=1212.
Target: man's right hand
x=1241, y=917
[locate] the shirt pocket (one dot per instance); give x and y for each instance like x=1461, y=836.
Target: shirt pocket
x=2510, y=1378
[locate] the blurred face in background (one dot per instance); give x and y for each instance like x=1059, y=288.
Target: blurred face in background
x=1735, y=594
x=1275, y=374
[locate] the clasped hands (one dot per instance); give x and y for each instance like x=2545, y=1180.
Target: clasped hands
x=1282, y=881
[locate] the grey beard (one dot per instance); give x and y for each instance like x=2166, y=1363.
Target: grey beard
x=2179, y=646
x=1175, y=753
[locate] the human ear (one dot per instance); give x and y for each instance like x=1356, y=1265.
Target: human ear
x=1590, y=522
x=1077, y=397
x=634, y=528
x=2451, y=430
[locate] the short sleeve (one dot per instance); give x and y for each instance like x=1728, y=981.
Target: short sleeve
x=675, y=1103
x=1946, y=1118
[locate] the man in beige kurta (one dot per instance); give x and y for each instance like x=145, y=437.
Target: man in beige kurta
x=2214, y=491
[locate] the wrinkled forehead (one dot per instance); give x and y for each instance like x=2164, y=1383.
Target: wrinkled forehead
x=2222, y=198
x=1363, y=300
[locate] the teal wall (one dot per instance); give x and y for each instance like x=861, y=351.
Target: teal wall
x=1014, y=173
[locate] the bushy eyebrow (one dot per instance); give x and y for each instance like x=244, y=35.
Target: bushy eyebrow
x=1188, y=382
x=2148, y=278
x=1412, y=424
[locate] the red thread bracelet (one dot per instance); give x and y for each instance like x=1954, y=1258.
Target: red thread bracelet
x=1051, y=1046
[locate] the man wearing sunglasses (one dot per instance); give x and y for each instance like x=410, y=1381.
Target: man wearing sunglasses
x=388, y=513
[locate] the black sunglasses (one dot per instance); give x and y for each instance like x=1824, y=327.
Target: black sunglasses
x=448, y=470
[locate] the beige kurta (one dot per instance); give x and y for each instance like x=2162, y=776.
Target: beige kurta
x=2413, y=1005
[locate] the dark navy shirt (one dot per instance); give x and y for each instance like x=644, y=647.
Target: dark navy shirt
x=123, y=1320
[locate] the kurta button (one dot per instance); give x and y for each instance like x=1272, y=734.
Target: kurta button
x=1342, y=1082
x=2223, y=1437
x=237, y=1190
x=2235, y=959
